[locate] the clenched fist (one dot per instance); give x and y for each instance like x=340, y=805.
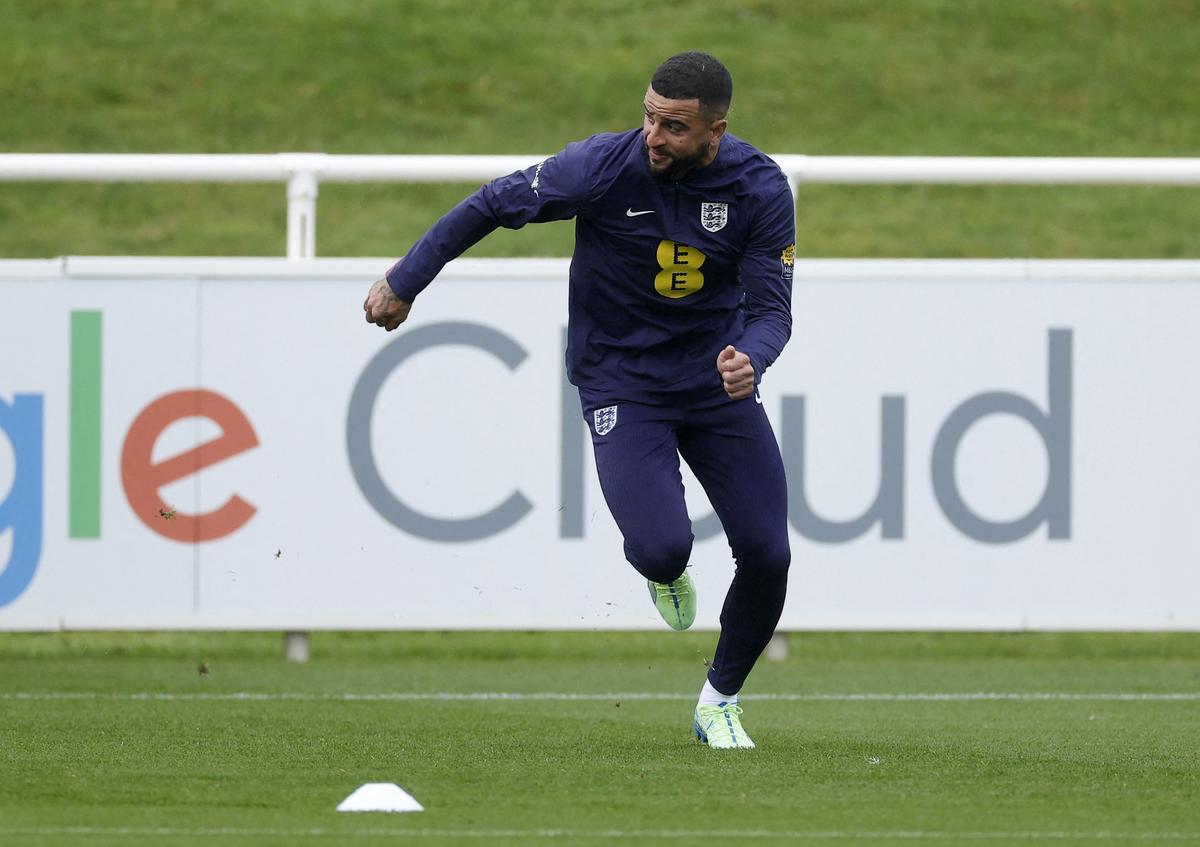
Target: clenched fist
x=736, y=372
x=384, y=308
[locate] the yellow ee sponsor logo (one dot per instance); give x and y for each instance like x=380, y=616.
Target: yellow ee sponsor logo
x=680, y=274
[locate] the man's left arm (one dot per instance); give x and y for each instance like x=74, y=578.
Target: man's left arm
x=765, y=272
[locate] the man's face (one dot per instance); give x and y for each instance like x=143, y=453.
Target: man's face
x=678, y=135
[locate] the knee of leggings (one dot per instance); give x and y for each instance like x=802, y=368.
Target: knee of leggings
x=767, y=562
x=660, y=559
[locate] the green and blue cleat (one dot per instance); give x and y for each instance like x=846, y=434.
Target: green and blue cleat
x=675, y=601
x=720, y=727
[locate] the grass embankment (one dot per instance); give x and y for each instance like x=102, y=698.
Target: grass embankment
x=922, y=77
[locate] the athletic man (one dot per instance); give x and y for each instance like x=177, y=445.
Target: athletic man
x=680, y=293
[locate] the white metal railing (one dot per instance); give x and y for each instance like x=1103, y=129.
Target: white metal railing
x=303, y=172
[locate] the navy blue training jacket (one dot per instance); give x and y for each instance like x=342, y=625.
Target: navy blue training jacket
x=664, y=275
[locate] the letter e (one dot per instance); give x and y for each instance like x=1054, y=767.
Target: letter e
x=143, y=479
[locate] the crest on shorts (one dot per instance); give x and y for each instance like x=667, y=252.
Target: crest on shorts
x=605, y=419
x=714, y=216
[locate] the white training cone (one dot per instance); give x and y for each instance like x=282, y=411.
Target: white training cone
x=380, y=797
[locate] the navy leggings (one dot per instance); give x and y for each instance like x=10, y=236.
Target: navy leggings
x=732, y=451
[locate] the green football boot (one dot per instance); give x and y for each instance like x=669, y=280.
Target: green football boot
x=721, y=727
x=675, y=601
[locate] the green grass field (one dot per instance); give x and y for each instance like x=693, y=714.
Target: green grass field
x=888, y=739
x=823, y=77
x=883, y=739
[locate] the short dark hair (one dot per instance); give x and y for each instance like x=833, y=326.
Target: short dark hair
x=698, y=76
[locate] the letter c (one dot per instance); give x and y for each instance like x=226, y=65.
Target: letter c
x=358, y=434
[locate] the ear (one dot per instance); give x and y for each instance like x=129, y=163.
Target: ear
x=718, y=128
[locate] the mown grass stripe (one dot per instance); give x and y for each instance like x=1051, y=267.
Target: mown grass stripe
x=667, y=834
x=387, y=696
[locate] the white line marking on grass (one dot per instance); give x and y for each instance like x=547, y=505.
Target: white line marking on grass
x=623, y=834
x=986, y=695
x=520, y=696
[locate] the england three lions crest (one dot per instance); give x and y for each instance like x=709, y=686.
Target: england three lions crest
x=605, y=419
x=714, y=216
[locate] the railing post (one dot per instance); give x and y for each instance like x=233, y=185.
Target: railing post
x=302, y=216
x=303, y=171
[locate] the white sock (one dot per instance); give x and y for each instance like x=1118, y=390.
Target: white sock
x=710, y=696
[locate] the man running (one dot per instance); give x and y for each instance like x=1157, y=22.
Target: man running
x=680, y=299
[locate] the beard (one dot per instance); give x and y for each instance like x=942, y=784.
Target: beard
x=678, y=167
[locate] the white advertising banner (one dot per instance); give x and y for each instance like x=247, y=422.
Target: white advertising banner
x=227, y=444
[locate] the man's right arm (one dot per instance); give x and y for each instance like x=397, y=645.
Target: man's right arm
x=551, y=190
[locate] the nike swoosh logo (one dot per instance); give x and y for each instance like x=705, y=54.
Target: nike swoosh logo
x=757, y=399
x=630, y=213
